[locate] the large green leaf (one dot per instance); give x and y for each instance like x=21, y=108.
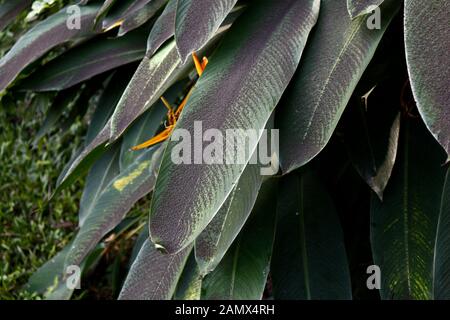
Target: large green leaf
x=427, y=54
x=441, y=261
x=41, y=38
x=371, y=128
x=102, y=172
x=85, y=61
x=141, y=16
x=114, y=202
x=153, y=275
x=197, y=21
x=212, y=244
x=403, y=226
x=10, y=9
x=238, y=91
x=334, y=61
x=358, y=8
x=163, y=29
x=242, y=273
x=309, y=258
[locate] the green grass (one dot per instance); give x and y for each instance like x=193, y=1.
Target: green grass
x=32, y=230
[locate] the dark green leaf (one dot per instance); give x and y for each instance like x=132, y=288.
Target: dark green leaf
x=114, y=202
x=81, y=63
x=427, y=54
x=336, y=57
x=242, y=273
x=197, y=21
x=403, y=226
x=153, y=275
x=41, y=38
x=140, y=17
x=212, y=244
x=309, y=259
x=238, y=90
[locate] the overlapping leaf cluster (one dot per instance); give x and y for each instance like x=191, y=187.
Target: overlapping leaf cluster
x=222, y=229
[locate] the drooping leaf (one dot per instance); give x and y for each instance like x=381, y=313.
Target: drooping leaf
x=238, y=90
x=190, y=284
x=197, y=21
x=242, y=273
x=212, y=244
x=114, y=202
x=141, y=16
x=10, y=9
x=102, y=172
x=334, y=61
x=403, y=226
x=81, y=63
x=153, y=275
x=309, y=258
x=371, y=129
x=427, y=48
x=358, y=8
x=163, y=29
x=41, y=38
x=441, y=260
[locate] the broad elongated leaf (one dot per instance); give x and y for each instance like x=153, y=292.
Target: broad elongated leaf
x=102, y=172
x=212, y=244
x=403, y=226
x=357, y=8
x=41, y=38
x=190, y=284
x=86, y=61
x=334, y=61
x=153, y=77
x=153, y=275
x=242, y=274
x=372, y=127
x=309, y=259
x=114, y=203
x=163, y=29
x=10, y=9
x=140, y=17
x=427, y=48
x=238, y=91
x=197, y=21
x=441, y=261
x=108, y=101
